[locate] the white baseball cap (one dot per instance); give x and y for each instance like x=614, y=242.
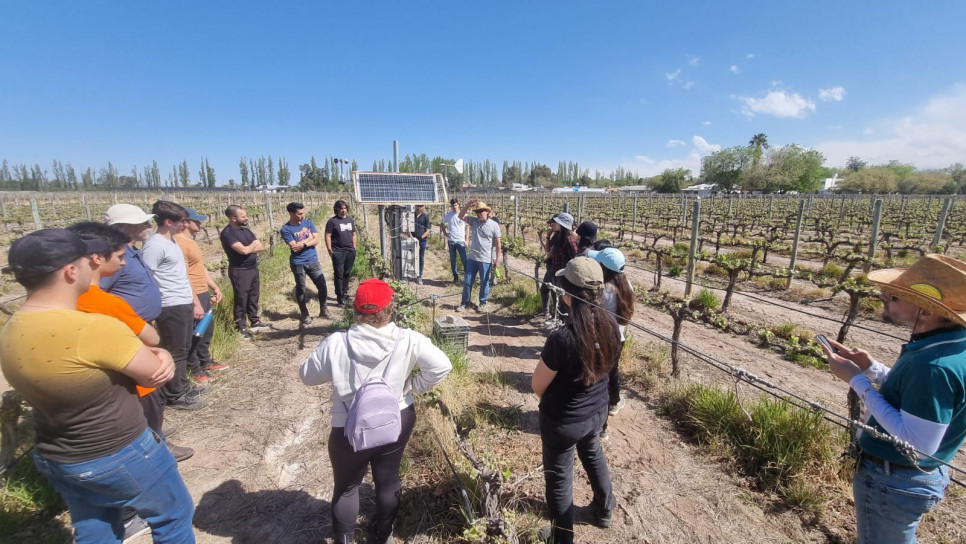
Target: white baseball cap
x=126, y=214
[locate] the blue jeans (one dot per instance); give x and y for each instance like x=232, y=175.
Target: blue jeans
x=314, y=272
x=142, y=475
x=454, y=248
x=472, y=269
x=422, y=255
x=559, y=442
x=890, y=501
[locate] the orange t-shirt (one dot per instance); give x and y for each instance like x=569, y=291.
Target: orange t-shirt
x=197, y=273
x=97, y=301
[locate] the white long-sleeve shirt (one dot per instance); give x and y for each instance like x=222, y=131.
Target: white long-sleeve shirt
x=369, y=347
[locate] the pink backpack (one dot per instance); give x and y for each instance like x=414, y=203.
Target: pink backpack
x=373, y=416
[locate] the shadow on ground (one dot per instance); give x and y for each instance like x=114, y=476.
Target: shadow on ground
x=263, y=517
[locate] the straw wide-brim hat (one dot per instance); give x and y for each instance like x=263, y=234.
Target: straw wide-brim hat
x=936, y=283
x=482, y=207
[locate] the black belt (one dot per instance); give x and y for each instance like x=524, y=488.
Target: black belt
x=882, y=462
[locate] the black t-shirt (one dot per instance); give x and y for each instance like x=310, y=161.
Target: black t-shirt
x=236, y=260
x=422, y=225
x=341, y=231
x=567, y=399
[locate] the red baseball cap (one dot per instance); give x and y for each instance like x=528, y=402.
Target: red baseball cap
x=373, y=295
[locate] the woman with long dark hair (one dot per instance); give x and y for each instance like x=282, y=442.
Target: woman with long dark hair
x=561, y=247
x=571, y=380
x=618, y=299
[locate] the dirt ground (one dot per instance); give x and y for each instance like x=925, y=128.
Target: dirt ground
x=261, y=474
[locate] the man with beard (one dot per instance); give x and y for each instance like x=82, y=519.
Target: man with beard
x=301, y=236
x=242, y=247
x=340, y=241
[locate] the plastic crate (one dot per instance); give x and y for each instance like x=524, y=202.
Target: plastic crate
x=452, y=329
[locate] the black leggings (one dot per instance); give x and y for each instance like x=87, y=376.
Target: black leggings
x=348, y=469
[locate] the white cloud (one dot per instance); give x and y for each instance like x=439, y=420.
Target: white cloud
x=834, y=127
x=701, y=147
x=675, y=143
x=834, y=93
x=693, y=61
x=933, y=136
x=688, y=84
x=734, y=69
x=750, y=56
x=706, y=123
x=779, y=104
x=671, y=76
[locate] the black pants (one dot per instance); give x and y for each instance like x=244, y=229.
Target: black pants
x=348, y=469
x=153, y=406
x=559, y=442
x=245, y=285
x=342, y=262
x=314, y=272
x=174, y=328
x=199, y=356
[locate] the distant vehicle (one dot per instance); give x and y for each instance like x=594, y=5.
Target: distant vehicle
x=520, y=187
x=271, y=188
x=578, y=189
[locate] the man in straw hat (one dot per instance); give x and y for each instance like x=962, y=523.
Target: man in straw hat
x=486, y=240
x=921, y=400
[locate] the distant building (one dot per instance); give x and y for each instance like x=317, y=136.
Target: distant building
x=701, y=189
x=579, y=189
x=271, y=188
x=635, y=188
x=830, y=184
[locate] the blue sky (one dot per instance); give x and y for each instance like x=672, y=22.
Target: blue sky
x=643, y=85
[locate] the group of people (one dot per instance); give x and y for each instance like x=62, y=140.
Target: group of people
x=104, y=342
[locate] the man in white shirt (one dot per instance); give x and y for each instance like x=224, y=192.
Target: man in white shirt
x=456, y=232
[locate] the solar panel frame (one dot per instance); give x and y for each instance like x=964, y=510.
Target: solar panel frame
x=399, y=188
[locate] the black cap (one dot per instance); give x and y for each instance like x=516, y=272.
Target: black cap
x=587, y=229
x=44, y=251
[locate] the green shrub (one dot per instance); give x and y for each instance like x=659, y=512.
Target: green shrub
x=705, y=300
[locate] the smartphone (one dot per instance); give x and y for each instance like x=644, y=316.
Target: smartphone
x=824, y=341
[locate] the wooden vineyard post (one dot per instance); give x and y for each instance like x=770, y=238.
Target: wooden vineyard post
x=87, y=206
x=874, y=239
x=3, y=206
x=798, y=236
x=516, y=214
x=38, y=224
x=695, y=222
x=771, y=205
x=580, y=208
x=634, y=218
x=937, y=238
x=268, y=210
x=731, y=201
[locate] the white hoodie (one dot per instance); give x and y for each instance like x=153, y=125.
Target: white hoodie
x=369, y=348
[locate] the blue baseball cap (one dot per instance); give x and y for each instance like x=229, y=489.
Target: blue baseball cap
x=195, y=216
x=611, y=258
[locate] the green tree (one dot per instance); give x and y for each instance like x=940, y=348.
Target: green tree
x=854, y=164
x=271, y=171
x=673, y=180
x=875, y=179
x=203, y=174
x=209, y=174
x=284, y=175
x=758, y=143
x=541, y=175
x=108, y=176
x=87, y=178
x=184, y=175
x=725, y=167
x=243, y=170
x=71, y=176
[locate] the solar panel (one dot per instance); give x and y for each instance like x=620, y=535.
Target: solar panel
x=398, y=188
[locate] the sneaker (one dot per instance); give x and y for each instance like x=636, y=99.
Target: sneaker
x=170, y=430
x=246, y=334
x=614, y=408
x=604, y=436
x=260, y=326
x=180, y=453
x=457, y=281
x=340, y=303
x=187, y=401
x=545, y=534
x=135, y=528
x=214, y=367
x=199, y=389
x=202, y=376
x=461, y=307
x=603, y=518
x=324, y=313
x=307, y=320
x=481, y=308
x=542, y=313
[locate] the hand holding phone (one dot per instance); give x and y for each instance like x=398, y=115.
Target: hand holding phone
x=824, y=341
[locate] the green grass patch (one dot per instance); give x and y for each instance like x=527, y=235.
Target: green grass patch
x=28, y=502
x=789, y=450
x=705, y=300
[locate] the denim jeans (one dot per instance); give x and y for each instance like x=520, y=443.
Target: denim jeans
x=455, y=248
x=142, y=475
x=559, y=442
x=314, y=271
x=342, y=262
x=422, y=255
x=890, y=501
x=472, y=269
